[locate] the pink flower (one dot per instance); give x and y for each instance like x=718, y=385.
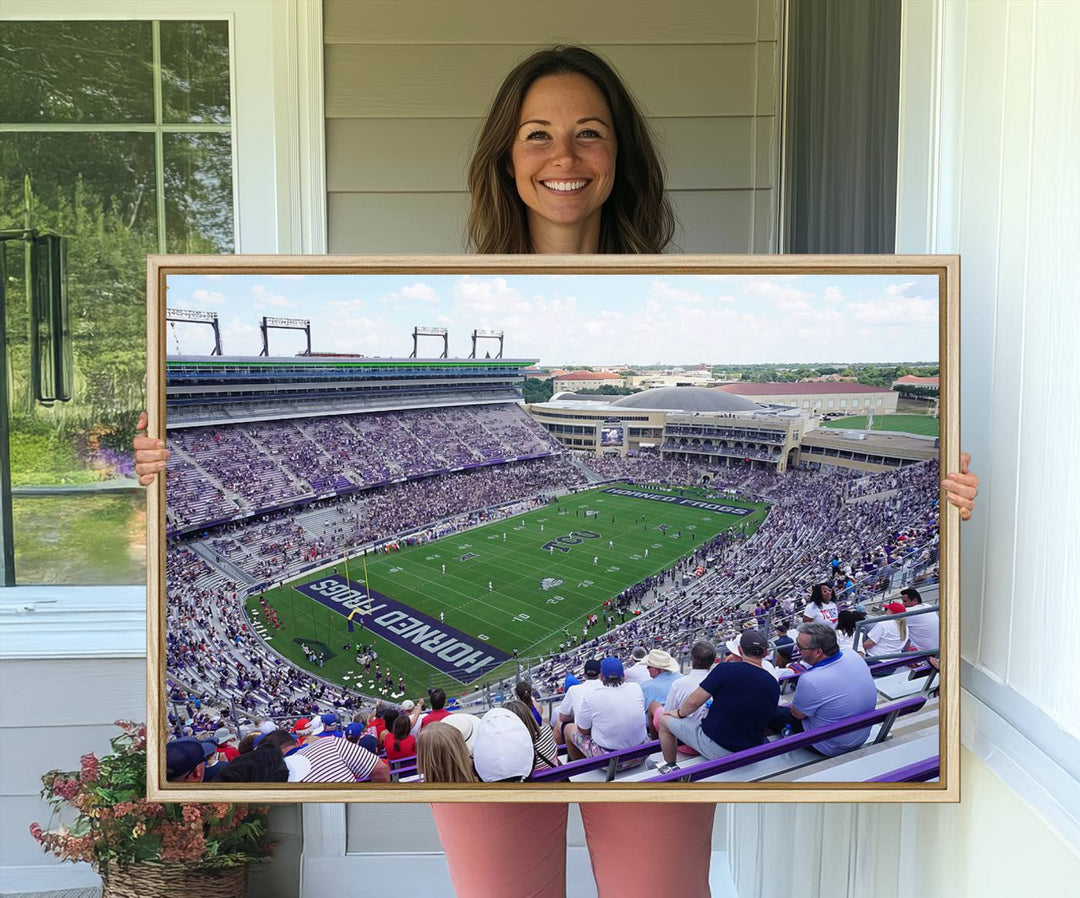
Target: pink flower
x=181, y=842
x=150, y=808
x=89, y=768
x=65, y=788
x=192, y=813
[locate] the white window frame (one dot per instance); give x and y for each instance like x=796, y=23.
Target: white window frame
x=279, y=160
x=279, y=165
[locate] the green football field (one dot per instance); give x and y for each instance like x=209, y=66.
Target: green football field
x=585, y=559
x=920, y=424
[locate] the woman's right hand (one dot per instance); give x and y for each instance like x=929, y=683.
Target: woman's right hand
x=150, y=454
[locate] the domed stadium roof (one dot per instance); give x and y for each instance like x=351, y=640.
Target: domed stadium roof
x=687, y=399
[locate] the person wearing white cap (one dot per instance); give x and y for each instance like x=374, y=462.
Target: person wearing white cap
x=503, y=750
x=636, y=672
x=744, y=700
x=466, y=724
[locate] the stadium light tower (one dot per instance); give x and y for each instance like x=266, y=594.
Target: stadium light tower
x=296, y=324
x=431, y=332
x=193, y=315
x=486, y=335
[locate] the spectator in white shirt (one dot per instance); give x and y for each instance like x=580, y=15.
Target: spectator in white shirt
x=575, y=695
x=821, y=609
x=886, y=637
x=924, y=630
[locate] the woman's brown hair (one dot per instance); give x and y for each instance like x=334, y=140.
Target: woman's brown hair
x=637, y=216
x=441, y=755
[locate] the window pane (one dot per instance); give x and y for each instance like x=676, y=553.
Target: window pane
x=82, y=539
x=198, y=193
x=76, y=72
x=195, y=72
x=98, y=191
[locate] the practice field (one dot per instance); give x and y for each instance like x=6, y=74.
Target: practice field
x=522, y=584
x=920, y=424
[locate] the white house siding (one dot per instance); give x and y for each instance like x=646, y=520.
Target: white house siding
x=407, y=86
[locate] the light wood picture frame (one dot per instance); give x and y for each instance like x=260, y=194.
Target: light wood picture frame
x=656, y=312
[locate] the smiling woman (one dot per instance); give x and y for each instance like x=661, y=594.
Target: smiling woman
x=561, y=117
x=563, y=162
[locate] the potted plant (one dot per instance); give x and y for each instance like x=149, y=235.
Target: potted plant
x=143, y=848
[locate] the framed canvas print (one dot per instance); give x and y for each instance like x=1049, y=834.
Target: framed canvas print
x=553, y=528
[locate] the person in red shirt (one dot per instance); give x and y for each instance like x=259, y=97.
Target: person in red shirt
x=226, y=740
x=399, y=743
x=438, y=708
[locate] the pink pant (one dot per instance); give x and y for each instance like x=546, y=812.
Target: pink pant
x=519, y=850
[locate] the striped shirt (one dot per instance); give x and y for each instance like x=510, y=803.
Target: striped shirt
x=337, y=761
x=545, y=749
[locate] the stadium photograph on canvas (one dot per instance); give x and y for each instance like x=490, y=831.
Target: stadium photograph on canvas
x=457, y=529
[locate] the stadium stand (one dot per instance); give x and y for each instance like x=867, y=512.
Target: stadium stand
x=257, y=501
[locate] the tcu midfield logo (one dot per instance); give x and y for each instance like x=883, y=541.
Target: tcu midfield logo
x=550, y=583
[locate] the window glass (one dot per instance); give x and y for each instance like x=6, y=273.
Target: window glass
x=76, y=72
x=79, y=515
x=198, y=193
x=195, y=71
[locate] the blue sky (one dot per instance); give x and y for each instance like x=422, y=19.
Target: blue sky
x=583, y=319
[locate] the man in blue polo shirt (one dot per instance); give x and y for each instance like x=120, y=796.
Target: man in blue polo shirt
x=744, y=698
x=837, y=685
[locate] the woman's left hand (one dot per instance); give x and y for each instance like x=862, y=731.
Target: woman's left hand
x=962, y=488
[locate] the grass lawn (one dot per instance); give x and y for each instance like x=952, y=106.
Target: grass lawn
x=514, y=555
x=920, y=424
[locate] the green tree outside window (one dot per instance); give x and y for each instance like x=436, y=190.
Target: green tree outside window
x=117, y=136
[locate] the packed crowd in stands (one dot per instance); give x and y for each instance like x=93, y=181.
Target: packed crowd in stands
x=223, y=472
x=822, y=525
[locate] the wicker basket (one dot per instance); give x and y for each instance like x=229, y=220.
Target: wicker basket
x=151, y=880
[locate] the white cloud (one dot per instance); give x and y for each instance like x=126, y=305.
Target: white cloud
x=787, y=299
x=833, y=295
x=415, y=293
x=483, y=297
x=666, y=292
x=899, y=289
x=264, y=299
x=345, y=305
x=207, y=298
x=890, y=312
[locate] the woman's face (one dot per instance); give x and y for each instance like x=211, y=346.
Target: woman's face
x=563, y=161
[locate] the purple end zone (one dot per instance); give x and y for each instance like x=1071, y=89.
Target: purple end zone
x=718, y=507
x=447, y=649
